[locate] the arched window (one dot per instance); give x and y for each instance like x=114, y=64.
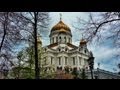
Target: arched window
x=66, y=60
x=65, y=49
x=86, y=68
x=69, y=40
x=79, y=60
x=56, y=39
x=59, y=49
x=51, y=60
x=60, y=39
x=65, y=39
x=73, y=60
x=53, y=39
x=59, y=60
x=50, y=40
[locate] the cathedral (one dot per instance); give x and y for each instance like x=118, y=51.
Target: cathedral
x=62, y=53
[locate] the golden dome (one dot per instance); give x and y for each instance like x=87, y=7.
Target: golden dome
x=39, y=40
x=60, y=26
x=83, y=42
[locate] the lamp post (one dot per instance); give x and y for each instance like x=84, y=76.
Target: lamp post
x=91, y=64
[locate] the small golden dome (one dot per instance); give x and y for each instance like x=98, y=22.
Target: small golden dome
x=60, y=25
x=39, y=40
x=83, y=42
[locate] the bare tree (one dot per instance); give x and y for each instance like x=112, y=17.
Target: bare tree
x=9, y=36
x=17, y=26
x=32, y=22
x=102, y=26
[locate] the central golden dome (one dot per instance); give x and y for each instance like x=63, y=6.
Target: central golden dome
x=61, y=27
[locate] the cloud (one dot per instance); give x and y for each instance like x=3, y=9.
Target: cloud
x=105, y=55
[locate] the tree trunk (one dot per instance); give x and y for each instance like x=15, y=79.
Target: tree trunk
x=4, y=28
x=35, y=46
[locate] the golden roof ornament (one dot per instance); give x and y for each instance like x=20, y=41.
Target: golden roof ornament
x=60, y=17
x=39, y=39
x=82, y=41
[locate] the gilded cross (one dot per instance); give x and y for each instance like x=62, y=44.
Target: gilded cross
x=60, y=16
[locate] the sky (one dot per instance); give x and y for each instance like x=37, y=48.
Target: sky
x=103, y=53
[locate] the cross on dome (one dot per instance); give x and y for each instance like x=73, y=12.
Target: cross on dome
x=60, y=17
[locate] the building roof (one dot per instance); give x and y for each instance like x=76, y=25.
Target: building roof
x=68, y=44
x=52, y=45
x=71, y=45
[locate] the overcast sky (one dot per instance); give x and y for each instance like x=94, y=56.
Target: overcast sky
x=103, y=53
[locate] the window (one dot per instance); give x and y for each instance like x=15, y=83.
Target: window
x=51, y=60
x=65, y=39
x=86, y=68
x=50, y=40
x=59, y=49
x=79, y=60
x=65, y=60
x=69, y=40
x=85, y=61
x=85, y=51
x=56, y=39
x=65, y=49
x=59, y=60
x=53, y=39
x=59, y=68
x=59, y=39
x=73, y=60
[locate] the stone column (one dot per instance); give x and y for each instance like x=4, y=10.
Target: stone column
x=63, y=62
x=83, y=64
x=77, y=62
x=55, y=63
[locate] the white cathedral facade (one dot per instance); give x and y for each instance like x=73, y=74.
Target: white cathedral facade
x=61, y=52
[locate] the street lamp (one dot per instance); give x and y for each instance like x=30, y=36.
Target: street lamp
x=91, y=64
